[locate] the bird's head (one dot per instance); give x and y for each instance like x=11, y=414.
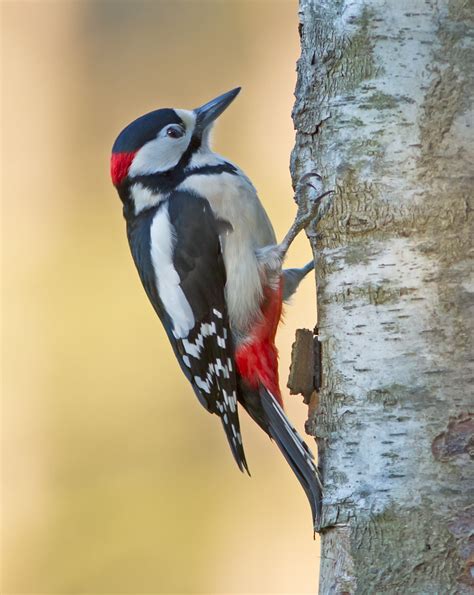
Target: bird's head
x=164, y=139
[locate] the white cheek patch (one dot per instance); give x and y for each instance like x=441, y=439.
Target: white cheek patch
x=163, y=153
x=158, y=155
x=167, y=278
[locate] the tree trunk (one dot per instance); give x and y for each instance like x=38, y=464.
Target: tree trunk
x=382, y=102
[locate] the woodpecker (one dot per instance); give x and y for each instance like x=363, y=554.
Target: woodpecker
x=208, y=259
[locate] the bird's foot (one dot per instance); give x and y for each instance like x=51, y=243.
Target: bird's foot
x=309, y=194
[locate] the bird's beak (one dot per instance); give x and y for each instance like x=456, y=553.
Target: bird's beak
x=210, y=111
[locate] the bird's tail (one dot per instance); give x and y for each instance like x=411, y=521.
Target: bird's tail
x=232, y=432
x=295, y=451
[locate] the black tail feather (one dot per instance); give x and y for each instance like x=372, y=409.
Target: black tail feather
x=295, y=451
x=235, y=442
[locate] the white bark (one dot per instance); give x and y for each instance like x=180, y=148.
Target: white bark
x=383, y=113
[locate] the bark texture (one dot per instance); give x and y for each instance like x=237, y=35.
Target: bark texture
x=382, y=108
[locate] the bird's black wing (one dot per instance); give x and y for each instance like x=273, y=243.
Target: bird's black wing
x=205, y=351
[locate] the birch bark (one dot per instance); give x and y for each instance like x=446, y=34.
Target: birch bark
x=382, y=111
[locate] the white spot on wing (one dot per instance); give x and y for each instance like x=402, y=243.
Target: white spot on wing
x=232, y=402
x=203, y=385
x=195, y=348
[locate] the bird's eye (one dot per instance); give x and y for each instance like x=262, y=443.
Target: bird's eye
x=175, y=132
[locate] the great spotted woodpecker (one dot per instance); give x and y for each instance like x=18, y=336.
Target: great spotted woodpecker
x=208, y=259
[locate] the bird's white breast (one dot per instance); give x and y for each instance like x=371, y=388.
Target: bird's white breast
x=233, y=198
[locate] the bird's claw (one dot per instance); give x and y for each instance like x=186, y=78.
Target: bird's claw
x=309, y=193
x=308, y=207
x=305, y=183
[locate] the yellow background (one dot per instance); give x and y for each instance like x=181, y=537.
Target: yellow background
x=115, y=480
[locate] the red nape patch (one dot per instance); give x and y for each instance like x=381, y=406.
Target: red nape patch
x=257, y=358
x=119, y=165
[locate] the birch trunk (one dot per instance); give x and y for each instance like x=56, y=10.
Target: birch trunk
x=382, y=112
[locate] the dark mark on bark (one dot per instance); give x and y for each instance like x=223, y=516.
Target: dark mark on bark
x=304, y=360
x=457, y=440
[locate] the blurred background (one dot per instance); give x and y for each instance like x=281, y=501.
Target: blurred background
x=115, y=480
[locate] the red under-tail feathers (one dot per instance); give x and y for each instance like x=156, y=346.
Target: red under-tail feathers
x=257, y=357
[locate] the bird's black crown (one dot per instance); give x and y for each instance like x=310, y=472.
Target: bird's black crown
x=144, y=129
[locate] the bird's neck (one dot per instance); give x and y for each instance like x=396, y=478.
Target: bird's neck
x=146, y=191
